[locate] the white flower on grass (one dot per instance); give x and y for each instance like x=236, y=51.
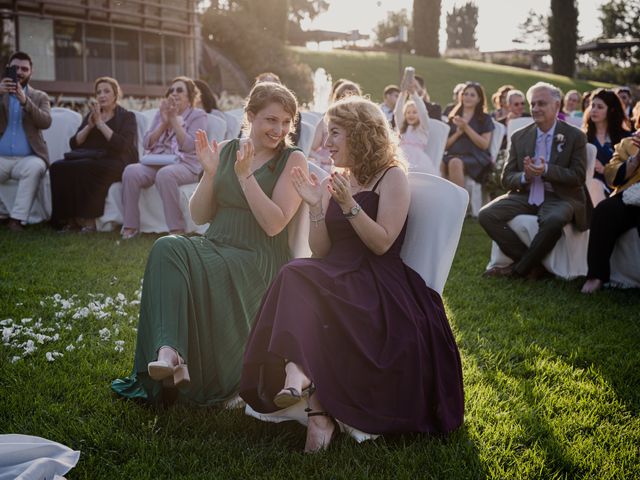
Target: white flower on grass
x=19, y=304
x=116, y=331
x=29, y=348
x=82, y=313
x=121, y=298
x=60, y=314
x=15, y=359
x=51, y=356
x=6, y=334
x=70, y=348
x=79, y=339
x=119, y=346
x=105, y=334
x=6, y=321
x=26, y=320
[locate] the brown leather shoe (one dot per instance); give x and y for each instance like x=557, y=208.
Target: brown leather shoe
x=538, y=273
x=499, y=272
x=15, y=225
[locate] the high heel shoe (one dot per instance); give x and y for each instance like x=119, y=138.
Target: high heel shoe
x=169, y=375
x=290, y=396
x=334, y=433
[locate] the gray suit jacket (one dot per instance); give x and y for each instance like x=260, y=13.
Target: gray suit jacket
x=566, y=171
x=36, y=116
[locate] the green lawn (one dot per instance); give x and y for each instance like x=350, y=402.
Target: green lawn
x=374, y=70
x=552, y=378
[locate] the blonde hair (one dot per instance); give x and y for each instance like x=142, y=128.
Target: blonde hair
x=265, y=93
x=112, y=82
x=404, y=125
x=371, y=144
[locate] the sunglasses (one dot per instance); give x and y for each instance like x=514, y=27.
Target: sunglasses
x=176, y=89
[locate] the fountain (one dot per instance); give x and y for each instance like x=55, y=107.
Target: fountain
x=321, y=90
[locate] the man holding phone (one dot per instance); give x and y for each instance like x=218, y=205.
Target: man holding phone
x=24, y=113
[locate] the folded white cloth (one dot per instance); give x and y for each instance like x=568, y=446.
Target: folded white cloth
x=24, y=457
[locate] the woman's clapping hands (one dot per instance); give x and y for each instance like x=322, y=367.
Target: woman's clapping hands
x=207, y=153
x=308, y=187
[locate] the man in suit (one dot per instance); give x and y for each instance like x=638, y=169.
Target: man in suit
x=544, y=176
x=24, y=113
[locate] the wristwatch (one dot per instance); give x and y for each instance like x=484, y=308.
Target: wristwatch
x=353, y=211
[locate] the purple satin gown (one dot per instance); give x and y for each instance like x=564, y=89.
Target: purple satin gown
x=368, y=331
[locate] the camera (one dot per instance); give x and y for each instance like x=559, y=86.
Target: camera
x=409, y=76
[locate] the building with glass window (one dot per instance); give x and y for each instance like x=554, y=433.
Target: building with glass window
x=141, y=43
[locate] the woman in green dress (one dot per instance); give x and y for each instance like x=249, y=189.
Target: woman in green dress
x=200, y=294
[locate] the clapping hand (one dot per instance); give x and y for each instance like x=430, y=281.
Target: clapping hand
x=207, y=154
x=94, y=113
x=340, y=189
x=244, y=157
x=309, y=188
x=531, y=169
x=460, y=123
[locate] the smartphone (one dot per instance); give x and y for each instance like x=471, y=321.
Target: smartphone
x=12, y=73
x=409, y=75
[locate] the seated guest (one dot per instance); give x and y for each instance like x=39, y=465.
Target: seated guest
x=24, y=113
x=355, y=330
x=200, y=295
x=515, y=109
x=172, y=132
x=571, y=106
x=604, y=123
x=389, y=97
x=434, y=109
x=499, y=100
x=613, y=217
x=624, y=93
x=457, y=90
x=469, y=138
x=414, y=130
x=207, y=99
x=319, y=154
x=545, y=176
x=103, y=146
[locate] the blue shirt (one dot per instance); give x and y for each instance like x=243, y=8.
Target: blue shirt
x=14, y=141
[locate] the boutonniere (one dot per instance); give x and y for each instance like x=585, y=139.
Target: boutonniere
x=560, y=142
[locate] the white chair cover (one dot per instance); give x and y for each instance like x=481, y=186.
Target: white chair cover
x=152, y=219
x=514, y=125
x=497, y=136
x=64, y=123
x=575, y=121
x=216, y=127
x=438, y=134
x=150, y=114
x=434, y=225
x=307, y=131
x=234, y=123
x=312, y=118
x=625, y=260
x=568, y=259
x=24, y=457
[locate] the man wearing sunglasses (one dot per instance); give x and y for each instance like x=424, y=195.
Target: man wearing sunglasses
x=24, y=113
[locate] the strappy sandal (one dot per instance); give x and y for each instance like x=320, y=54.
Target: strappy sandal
x=336, y=429
x=290, y=396
x=169, y=375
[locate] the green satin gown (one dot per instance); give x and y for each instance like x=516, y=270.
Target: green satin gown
x=200, y=295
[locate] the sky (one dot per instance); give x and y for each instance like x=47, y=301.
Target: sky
x=498, y=20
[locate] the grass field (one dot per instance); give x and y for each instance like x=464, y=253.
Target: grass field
x=552, y=378
x=374, y=70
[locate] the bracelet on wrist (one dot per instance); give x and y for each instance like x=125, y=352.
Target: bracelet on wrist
x=316, y=218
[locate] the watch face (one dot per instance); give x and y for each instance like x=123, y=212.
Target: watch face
x=355, y=209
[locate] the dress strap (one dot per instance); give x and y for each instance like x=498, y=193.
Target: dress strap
x=380, y=179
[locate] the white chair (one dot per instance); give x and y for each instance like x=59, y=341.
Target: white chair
x=150, y=114
x=312, y=118
x=434, y=225
x=476, y=195
x=216, y=128
x=575, y=121
x=516, y=124
x=568, y=259
x=143, y=124
x=307, y=131
x=64, y=124
x=152, y=219
x=438, y=135
x=233, y=126
x=298, y=229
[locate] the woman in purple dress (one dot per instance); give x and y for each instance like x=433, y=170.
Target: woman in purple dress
x=355, y=332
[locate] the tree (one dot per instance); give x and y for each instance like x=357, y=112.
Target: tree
x=563, y=36
x=534, y=31
x=426, y=27
x=619, y=19
x=390, y=26
x=461, y=26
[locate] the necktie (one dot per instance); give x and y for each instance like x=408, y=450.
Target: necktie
x=536, y=190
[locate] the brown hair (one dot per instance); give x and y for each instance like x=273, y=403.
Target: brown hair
x=346, y=86
x=371, y=145
x=265, y=93
x=192, y=90
x=115, y=86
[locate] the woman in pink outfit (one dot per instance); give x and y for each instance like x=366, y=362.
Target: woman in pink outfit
x=172, y=132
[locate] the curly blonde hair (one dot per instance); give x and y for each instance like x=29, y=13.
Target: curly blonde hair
x=371, y=144
x=261, y=96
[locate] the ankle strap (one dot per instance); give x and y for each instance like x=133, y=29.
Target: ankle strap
x=311, y=413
